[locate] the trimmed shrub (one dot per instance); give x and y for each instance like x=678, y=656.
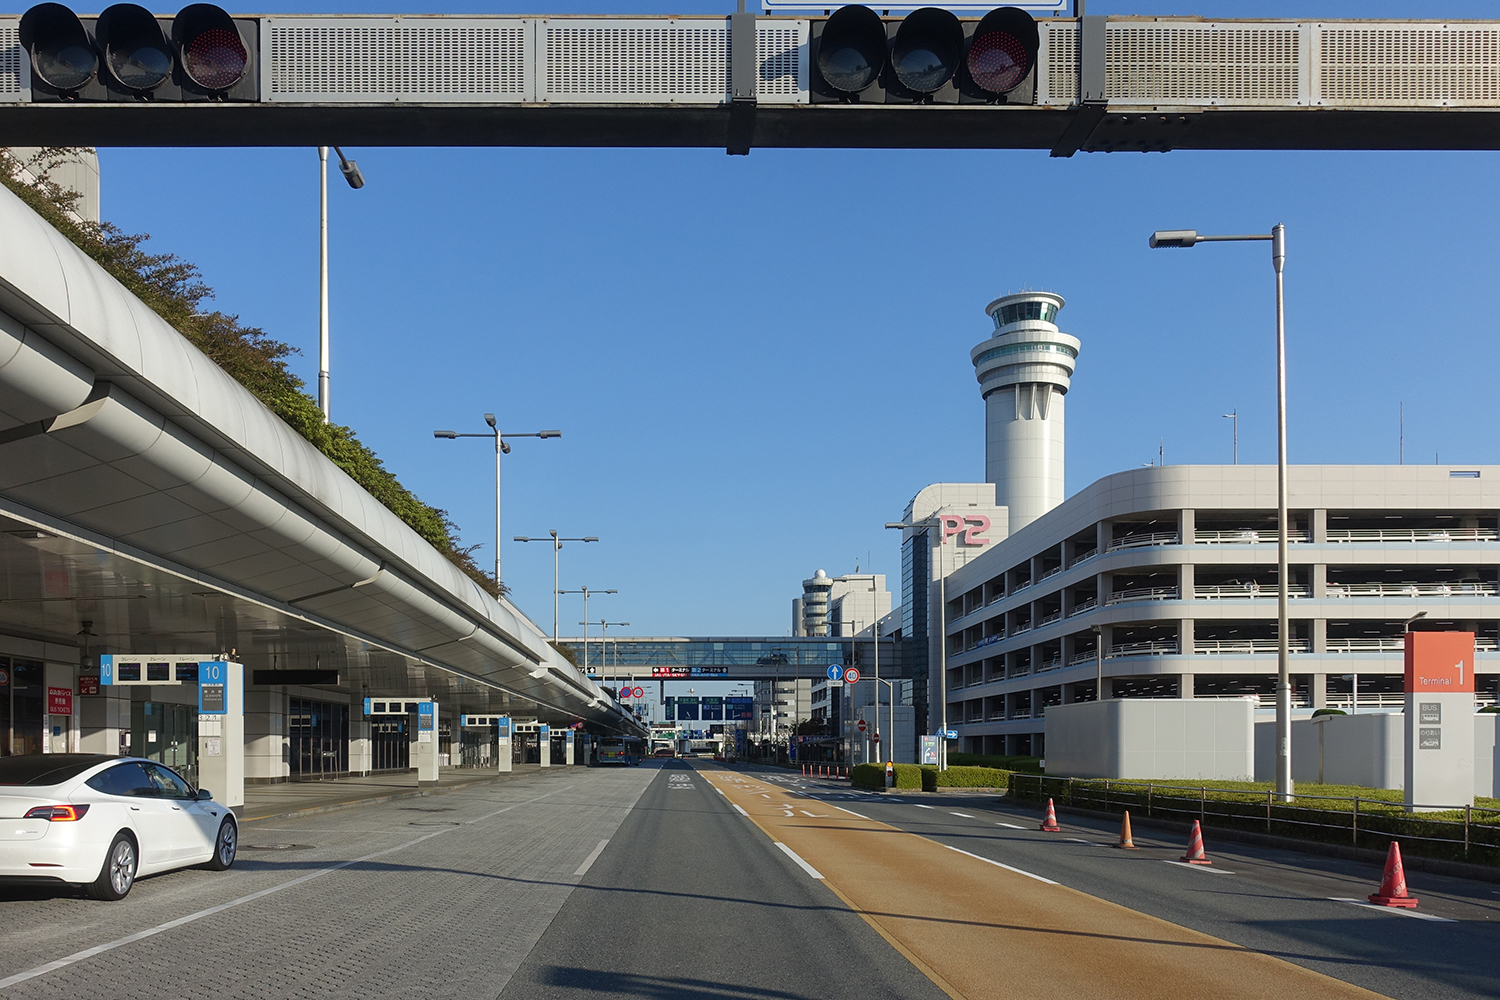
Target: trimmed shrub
x=872, y=776
x=1329, y=711
x=1025, y=765
x=972, y=777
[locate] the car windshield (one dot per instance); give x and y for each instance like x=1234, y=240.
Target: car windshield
x=46, y=769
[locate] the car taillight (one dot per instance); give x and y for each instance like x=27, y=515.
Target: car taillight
x=58, y=814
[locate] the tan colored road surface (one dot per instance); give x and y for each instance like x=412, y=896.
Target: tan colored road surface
x=980, y=931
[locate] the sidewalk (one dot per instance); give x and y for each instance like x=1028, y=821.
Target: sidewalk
x=304, y=798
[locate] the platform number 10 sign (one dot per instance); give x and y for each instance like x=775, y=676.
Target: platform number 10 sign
x=213, y=682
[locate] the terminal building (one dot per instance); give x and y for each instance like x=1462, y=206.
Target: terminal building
x=1011, y=592
x=154, y=514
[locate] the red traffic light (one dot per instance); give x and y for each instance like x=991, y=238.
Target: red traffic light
x=209, y=46
x=1003, y=51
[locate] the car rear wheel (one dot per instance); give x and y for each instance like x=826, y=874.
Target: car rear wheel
x=118, y=873
x=226, y=846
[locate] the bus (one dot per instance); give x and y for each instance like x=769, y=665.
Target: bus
x=622, y=750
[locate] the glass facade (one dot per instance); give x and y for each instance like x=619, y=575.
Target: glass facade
x=319, y=735
x=167, y=734
x=915, y=576
x=1017, y=311
x=23, y=700
x=1033, y=348
x=707, y=657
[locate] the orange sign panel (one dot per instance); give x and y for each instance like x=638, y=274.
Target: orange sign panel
x=1439, y=662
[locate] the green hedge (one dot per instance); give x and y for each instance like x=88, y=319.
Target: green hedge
x=971, y=777
x=1025, y=765
x=872, y=776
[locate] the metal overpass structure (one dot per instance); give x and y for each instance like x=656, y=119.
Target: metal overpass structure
x=739, y=81
x=729, y=658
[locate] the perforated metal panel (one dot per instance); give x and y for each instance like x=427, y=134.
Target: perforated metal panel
x=1057, y=77
x=359, y=59
x=12, y=59
x=782, y=56
x=625, y=60
x=1408, y=65
x=1202, y=63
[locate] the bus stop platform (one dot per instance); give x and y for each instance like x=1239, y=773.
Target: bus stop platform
x=305, y=798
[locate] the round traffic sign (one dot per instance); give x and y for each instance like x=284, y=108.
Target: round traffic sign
x=638, y=693
x=835, y=672
x=851, y=676
x=860, y=725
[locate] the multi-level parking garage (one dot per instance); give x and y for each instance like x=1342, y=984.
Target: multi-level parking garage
x=1176, y=569
x=153, y=510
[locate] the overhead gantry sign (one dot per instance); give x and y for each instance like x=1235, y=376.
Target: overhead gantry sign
x=852, y=78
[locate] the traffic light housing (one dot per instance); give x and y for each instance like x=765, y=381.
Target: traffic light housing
x=129, y=54
x=928, y=57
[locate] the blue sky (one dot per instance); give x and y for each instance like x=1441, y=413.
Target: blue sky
x=750, y=381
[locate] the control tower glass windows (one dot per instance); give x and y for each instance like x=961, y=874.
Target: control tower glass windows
x=1014, y=313
x=1000, y=352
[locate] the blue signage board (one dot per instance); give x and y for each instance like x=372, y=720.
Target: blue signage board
x=368, y=703
x=835, y=672
x=502, y=727
x=107, y=668
x=426, y=716
x=213, y=688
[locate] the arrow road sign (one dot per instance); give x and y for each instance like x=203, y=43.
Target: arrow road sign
x=835, y=673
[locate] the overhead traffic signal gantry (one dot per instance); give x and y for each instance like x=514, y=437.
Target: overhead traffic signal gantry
x=928, y=57
x=127, y=53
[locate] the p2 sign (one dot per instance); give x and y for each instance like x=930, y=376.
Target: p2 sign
x=972, y=527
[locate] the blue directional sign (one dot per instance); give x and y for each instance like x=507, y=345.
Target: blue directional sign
x=835, y=672
x=426, y=716
x=213, y=688
x=368, y=703
x=951, y=734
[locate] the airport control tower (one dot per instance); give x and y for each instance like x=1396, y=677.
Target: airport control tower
x=1024, y=370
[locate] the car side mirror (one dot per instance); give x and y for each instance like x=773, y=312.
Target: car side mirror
x=204, y=793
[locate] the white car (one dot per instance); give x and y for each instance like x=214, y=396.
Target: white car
x=100, y=822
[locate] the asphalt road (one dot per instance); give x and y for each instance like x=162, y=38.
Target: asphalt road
x=1282, y=903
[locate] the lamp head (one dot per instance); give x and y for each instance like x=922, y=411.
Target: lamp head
x=352, y=174
x=450, y=435
x=1165, y=239
x=489, y=418
x=591, y=538
x=549, y=434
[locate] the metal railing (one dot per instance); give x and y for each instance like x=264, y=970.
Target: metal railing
x=1159, y=648
x=1241, y=647
x=1138, y=541
x=1055, y=616
x=1053, y=664
x=1051, y=572
x=1386, y=644
x=1142, y=594
x=1247, y=536
x=1414, y=535
x=1078, y=658
x=1470, y=832
x=1082, y=557
x=1244, y=591
x=1413, y=590
x=1088, y=605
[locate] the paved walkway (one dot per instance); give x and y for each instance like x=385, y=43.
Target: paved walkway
x=293, y=798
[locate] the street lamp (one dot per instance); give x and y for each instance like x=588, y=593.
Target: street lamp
x=923, y=525
x=1183, y=238
x=1234, y=416
x=556, y=548
x=585, y=623
x=604, y=647
x=501, y=448
x=1098, y=631
x=356, y=180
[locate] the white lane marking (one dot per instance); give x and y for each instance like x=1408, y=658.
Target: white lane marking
x=739, y=810
x=964, y=815
x=1091, y=843
x=851, y=812
x=79, y=956
x=1010, y=826
x=1403, y=911
x=800, y=863
x=718, y=789
x=811, y=815
x=583, y=869
x=1198, y=868
x=921, y=806
x=997, y=864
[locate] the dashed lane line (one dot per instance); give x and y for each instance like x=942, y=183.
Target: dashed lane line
x=851, y=812
x=1402, y=911
x=964, y=815
x=800, y=863
x=740, y=810
x=588, y=862
x=1197, y=868
x=921, y=806
x=990, y=861
x=1010, y=826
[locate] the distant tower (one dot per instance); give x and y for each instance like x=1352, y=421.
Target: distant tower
x=815, y=604
x=1024, y=371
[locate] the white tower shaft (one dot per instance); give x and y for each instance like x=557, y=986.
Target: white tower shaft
x=1024, y=372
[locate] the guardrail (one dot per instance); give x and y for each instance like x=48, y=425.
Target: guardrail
x=1142, y=594
x=1141, y=649
x=1138, y=541
x=1242, y=591
x=1472, y=832
x=1218, y=647
x=1088, y=605
x=1082, y=557
x=1414, y=535
x=1413, y=590
x=1246, y=536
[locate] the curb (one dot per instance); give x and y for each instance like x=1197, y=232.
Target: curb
x=415, y=793
x=1438, y=866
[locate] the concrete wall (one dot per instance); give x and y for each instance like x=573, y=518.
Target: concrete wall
x=1367, y=750
x=1152, y=738
x=1486, y=755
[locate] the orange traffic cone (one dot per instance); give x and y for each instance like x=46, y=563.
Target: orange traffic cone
x=1125, y=842
x=1195, y=855
x=1049, y=823
x=1392, y=891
